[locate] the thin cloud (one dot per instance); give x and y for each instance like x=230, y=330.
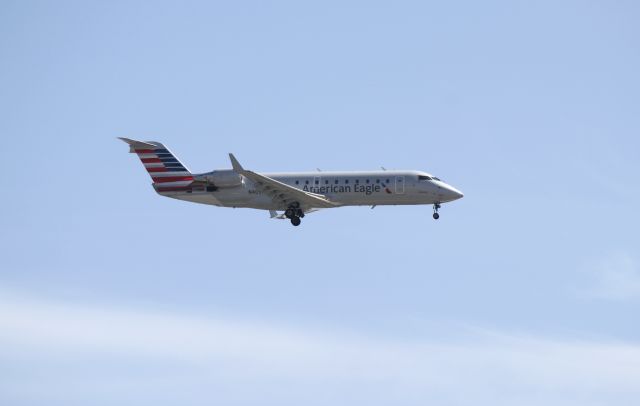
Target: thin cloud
x=490, y=365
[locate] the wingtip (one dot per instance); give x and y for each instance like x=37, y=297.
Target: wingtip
x=235, y=164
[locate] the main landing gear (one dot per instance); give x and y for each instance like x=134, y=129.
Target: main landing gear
x=295, y=213
x=436, y=206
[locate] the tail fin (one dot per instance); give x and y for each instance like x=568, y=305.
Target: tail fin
x=167, y=172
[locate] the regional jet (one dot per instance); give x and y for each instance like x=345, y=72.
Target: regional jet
x=289, y=195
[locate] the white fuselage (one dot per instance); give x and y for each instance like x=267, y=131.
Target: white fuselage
x=343, y=188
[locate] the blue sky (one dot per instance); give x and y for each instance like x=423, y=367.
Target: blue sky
x=525, y=292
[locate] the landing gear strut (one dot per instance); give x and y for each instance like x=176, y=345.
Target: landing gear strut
x=295, y=213
x=436, y=206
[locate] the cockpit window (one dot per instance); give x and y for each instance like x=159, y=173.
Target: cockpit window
x=424, y=177
x=434, y=178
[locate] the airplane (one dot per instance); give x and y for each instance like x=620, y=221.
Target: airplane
x=293, y=194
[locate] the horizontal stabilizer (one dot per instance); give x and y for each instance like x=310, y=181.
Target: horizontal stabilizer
x=134, y=144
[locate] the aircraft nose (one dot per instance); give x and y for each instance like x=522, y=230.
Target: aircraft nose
x=455, y=193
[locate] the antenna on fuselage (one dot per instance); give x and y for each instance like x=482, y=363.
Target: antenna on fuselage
x=383, y=168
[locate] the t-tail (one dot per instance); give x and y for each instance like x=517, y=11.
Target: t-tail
x=168, y=173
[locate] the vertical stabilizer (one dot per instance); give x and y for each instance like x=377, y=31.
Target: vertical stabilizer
x=166, y=171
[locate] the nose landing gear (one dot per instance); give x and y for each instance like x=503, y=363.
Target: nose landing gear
x=436, y=206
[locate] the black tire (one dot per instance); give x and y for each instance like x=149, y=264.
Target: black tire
x=436, y=216
x=295, y=221
x=289, y=213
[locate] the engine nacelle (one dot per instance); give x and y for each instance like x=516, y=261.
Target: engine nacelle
x=222, y=178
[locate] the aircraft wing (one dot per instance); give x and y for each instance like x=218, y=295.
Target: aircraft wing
x=281, y=192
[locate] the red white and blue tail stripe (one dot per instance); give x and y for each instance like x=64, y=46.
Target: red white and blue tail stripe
x=167, y=172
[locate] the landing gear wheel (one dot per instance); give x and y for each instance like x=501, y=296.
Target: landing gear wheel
x=294, y=210
x=436, y=206
x=295, y=221
x=436, y=216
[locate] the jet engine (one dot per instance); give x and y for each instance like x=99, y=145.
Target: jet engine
x=221, y=178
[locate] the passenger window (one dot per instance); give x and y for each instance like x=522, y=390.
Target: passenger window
x=306, y=182
x=297, y=182
x=346, y=181
x=326, y=182
x=377, y=180
x=337, y=181
x=317, y=182
x=367, y=180
x=357, y=180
